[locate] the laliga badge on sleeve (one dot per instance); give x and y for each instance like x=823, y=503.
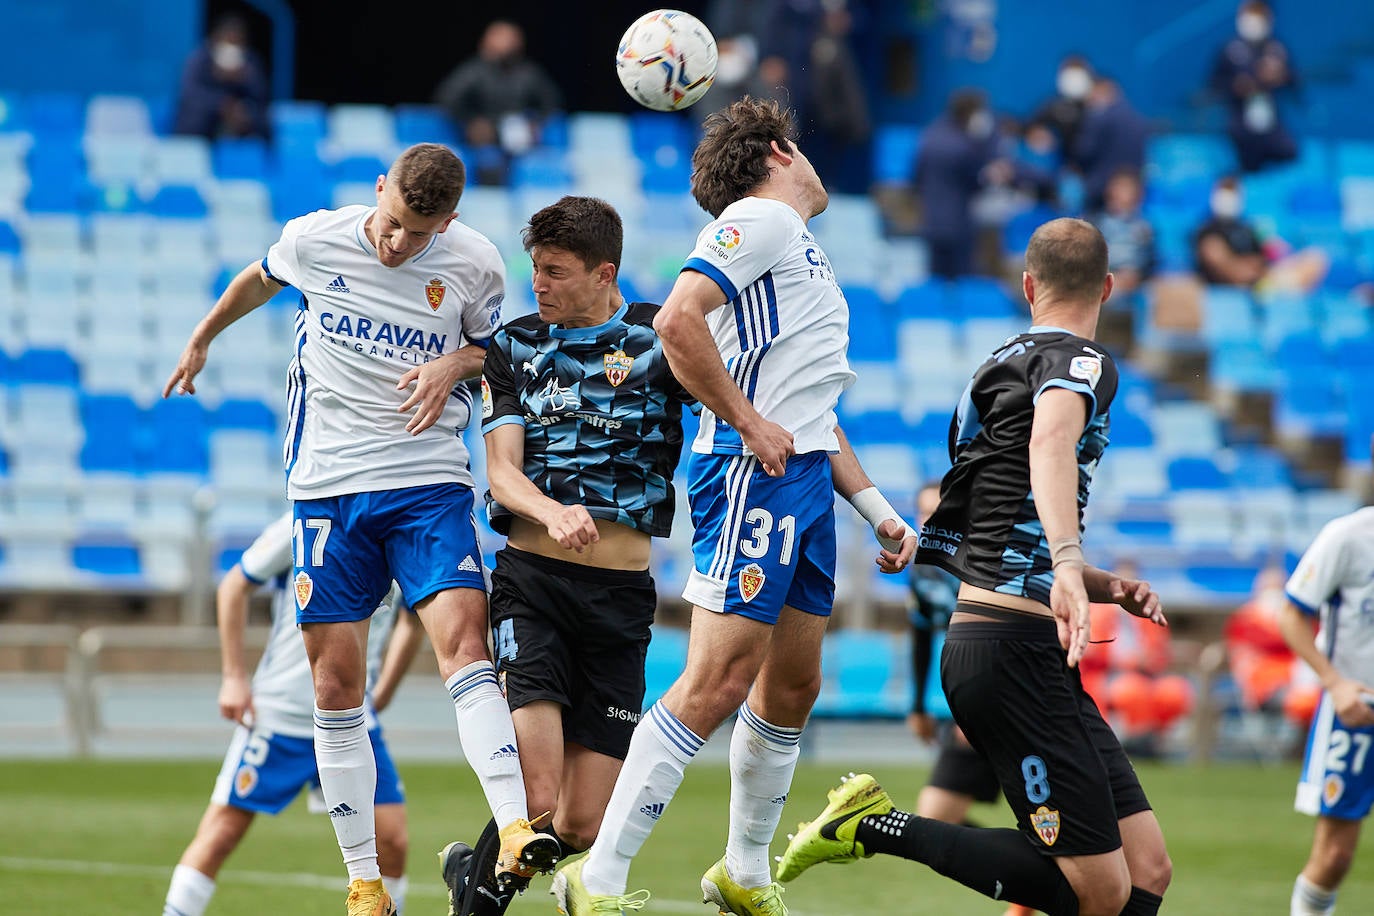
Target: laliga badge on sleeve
x=1088, y=368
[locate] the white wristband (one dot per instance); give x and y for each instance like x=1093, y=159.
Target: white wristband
x=875, y=509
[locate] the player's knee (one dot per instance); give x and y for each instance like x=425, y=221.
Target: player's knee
x=392, y=849
x=1333, y=861
x=1104, y=895
x=1155, y=874
x=579, y=834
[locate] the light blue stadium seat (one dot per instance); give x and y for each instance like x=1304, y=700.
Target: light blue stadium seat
x=600, y=136
x=352, y=129
x=1186, y=428
x=118, y=115
x=1258, y=467
x=1354, y=158
x=361, y=168
x=1228, y=315
x=665, y=660
x=297, y=119
x=541, y=169
x=1243, y=365
x=859, y=678
x=1203, y=518
x=180, y=161
x=1170, y=156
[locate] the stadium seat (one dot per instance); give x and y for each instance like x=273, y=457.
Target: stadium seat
x=1228, y=315
x=352, y=129
x=1195, y=473
x=424, y=124
x=119, y=116
x=665, y=660
x=859, y=679
x=981, y=297
x=107, y=558
x=113, y=425
x=180, y=161
x=179, y=201
x=244, y=158
x=363, y=169
x=894, y=152
x=45, y=367
x=541, y=169
x=54, y=115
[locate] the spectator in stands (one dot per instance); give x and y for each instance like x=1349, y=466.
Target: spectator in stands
x=957, y=158
x=223, y=86
x=1111, y=137
x=498, y=100
x=1055, y=124
x=1266, y=669
x=1127, y=672
x=1130, y=236
x=1250, y=71
x=838, y=106
x=1228, y=250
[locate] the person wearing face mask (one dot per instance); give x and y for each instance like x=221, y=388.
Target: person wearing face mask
x=1060, y=118
x=1228, y=251
x=957, y=158
x=1250, y=71
x=223, y=86
x=1112, y=137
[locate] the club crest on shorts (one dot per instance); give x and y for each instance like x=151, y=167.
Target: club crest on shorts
x=245, y=780
x=751, y=579
x=1046, y=824
x=434, y=292
x=618, y=367
x=1332, y=789
x=305, y=587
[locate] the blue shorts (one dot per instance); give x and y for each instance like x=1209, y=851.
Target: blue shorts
x=354, y=545
x=1338, y=770
x=264, y=772
x=761, y=542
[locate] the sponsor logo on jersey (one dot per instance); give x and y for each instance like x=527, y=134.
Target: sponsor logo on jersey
x=494, y=309
x=624, y=715
x=618, y=367
x=558, y=398
x=1088, y=368
x=486, y=400
x=434, y=292
x=724, y=242
x=305, y=587
x=382, y=332
x=1332, y=789
x=337, y=285
x=751, y=579
x=245, y=780
x=1045, y=822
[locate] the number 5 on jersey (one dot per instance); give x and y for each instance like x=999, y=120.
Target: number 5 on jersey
x=318, y=535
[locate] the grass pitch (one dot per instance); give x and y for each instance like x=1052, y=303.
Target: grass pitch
x=102, y=837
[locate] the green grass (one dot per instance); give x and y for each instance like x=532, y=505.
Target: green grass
x=101, y=837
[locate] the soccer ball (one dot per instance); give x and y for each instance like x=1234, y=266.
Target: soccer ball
x=667, y=60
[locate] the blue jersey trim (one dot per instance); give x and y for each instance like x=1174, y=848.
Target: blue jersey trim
x=1079, y=387
x=507, y=420
x=588, y=333
x=428, y=248
x=1301, y=605
x=483, y=342
x=1048, y=329
x=296, y=398
x=267, y=270
x=249, y=576
x=710, y=270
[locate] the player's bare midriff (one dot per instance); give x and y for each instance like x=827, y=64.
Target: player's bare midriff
x=619, y=547
x=976, y=595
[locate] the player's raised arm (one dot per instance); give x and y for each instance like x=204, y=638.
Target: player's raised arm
x=434, y=382
x=695, y=361
x=250, y=289
x=898, y=539
x=231, y=612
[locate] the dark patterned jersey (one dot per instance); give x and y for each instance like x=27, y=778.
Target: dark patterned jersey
x=602, y=414
x=986, y=530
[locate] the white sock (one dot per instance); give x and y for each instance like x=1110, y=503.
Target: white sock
x=488, y=738
x=348, y=778
x=396, y=887
x=659, y=753
x=762, y=759
x=189, y=893
x=1311, y=900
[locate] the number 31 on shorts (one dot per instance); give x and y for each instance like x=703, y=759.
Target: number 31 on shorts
x=758, y=532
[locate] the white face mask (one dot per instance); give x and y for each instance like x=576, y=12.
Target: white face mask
x=980, y=124
x=1074, y=83
x=1252, y=26
x=1226, y=203
x=733, y=66
x=227, y=55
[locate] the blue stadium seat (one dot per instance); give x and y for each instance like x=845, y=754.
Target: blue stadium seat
x=859, y=681
x=981, y=297
x=1302, y=352
x=871, y=333
x=541, y=168
x=54, y=114
x=178, y=201
x=894, y=152
x=929, y=300
x=424, y=124
x=178, y=430
x=665, y=660
x=660, y=138
x=1310, y=404
x=10, y=242
x=1229, y=582
x=240, y=413
x=245, y=158
x=295, y=194
x=113, y=426
x=106, y=557
x=1259, y=468
x=1130, y=429
x=1017, y=232
x=362, y=169
x=1195, y=473
x=46, y=367
x=294, y=119
x=1228, y=314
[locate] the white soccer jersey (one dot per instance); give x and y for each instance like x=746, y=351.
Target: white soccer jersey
x=1335, y=578
x=283, y=691
x=361, y=326
x=784, y=332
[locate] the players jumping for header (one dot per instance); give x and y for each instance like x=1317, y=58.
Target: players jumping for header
x=583, y=425
x=1027, y=435
x=394, y=298
x=756, y=328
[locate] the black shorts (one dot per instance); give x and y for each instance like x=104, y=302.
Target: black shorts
x=576, y=635
x=1061, y=767
x=960, y=769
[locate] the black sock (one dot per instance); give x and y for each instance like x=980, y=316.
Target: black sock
x=1142, y=903
x=565, y=849
x=999, y=863
x=482, y=898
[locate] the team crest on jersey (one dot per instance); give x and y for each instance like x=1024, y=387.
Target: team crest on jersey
x=245, y=780
x=305, y=587
x=1332, y=789
x=1046, y=824
x=751, y=579
x=618, y=367
x=434, y=292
